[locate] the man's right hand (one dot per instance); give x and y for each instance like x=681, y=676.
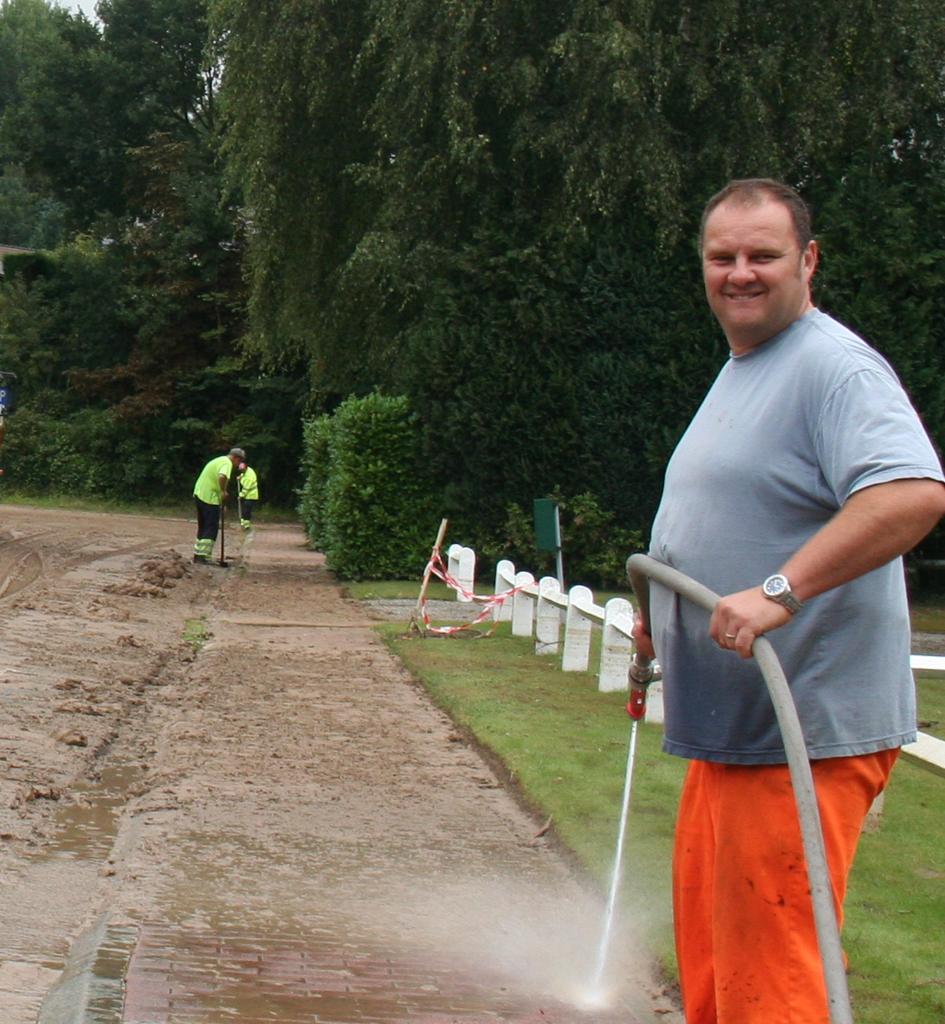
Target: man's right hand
x=642, y=639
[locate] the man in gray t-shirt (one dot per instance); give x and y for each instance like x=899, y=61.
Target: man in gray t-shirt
x=802, y=479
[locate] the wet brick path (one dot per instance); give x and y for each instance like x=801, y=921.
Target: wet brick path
x=180, y=977
x=324, y=848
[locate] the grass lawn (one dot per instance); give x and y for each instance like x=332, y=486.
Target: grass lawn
x=929, y=616
x=392, y=590
x=176, y=508
x=565, y=746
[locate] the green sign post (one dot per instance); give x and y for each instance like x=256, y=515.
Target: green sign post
x=548, y=532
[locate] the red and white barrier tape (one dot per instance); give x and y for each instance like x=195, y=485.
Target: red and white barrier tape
x=435, y=567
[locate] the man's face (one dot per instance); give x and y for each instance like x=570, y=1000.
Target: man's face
x=757, y=280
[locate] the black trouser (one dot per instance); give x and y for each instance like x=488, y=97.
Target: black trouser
x=208, y=524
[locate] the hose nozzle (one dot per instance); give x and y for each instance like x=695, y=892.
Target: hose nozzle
x=642, y=672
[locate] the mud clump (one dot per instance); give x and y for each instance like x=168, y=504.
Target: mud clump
x=28, y=794
x=72, y=738
x=155, y=576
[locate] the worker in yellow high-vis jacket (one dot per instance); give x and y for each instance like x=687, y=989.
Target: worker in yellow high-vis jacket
x=210, y=493
x=248, y=494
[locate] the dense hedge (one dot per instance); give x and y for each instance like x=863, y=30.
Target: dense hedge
x=542, y=372
x=366, y=500
x=315, y=467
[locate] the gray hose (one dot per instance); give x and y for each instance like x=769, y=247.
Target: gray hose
x=641, y=569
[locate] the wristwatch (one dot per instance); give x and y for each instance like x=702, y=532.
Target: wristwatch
x=777, y=588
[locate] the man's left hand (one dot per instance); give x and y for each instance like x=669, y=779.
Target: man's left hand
x=741, y=617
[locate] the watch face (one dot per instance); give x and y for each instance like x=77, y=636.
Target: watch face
x=775, y=585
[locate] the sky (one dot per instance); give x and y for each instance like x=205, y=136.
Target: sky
x=86, y=6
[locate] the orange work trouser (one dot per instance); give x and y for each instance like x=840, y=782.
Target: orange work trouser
x=746, y=942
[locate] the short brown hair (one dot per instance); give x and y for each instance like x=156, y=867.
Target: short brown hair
x=751, y=191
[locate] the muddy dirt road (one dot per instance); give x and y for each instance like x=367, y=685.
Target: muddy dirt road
x=275, y=827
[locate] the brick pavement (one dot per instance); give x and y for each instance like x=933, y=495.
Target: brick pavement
x=186, y=977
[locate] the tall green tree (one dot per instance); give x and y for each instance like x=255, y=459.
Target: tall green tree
x=294, y=102
x=27, y=29
x=127, y=335
x=28, y=218
x=510, y=238
x=65, y=126
x=28, y=215
x=90, y=96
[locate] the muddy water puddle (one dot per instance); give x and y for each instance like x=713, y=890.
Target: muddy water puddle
x=86, y=825
x=46, y=894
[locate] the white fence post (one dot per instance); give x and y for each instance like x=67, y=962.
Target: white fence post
x=547, y=617
x=461, y=565
x=504, y=580
x=577, y=631
x=523, y=606
x=615, y=645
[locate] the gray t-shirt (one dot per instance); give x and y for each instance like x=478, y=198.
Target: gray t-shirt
x=784, y=436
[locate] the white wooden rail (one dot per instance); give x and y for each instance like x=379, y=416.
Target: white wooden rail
x=541, y=608
x=927, y=751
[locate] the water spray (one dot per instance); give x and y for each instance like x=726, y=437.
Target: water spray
x=642, y=672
